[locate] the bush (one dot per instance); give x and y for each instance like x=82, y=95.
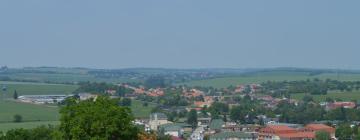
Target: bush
x=17, y=118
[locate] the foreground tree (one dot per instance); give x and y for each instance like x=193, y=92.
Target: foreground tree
x=38, y=133
x=101, y=118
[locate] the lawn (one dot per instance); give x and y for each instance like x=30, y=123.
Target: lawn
x=345, y=96
x=141, y=111
x=36, y=115
x=26, y=125
x=29, y=112
x=35, y=89
x=268, y=76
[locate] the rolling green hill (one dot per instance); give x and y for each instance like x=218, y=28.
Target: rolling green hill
x=268, y=76
x=24, y=88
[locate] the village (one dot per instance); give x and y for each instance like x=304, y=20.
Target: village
x=207, y=126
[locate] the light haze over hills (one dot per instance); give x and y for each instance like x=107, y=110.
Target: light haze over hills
x=180, y=34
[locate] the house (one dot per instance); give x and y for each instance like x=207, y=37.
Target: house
x=233, y=136
x=274, y=131
x=193, y=93
x=283, y=132
x=172, y=130
x=200, y=104
x=239, y=88
x=110, y=92
x=157, y=119
x=320, y=127
x=155, y=92
x=297, y=136
x=336, y=105
x=204, y=121
x=240, y=128
x=86, y=96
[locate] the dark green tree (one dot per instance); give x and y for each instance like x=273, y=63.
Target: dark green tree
x=237, y=114
x=218, y=109
x=192, y=118
x=102, y=118
x=17, y=118
x=15, y=96
x=322, y=135
x=126, y=102
x=343, y=132
x=307, y=98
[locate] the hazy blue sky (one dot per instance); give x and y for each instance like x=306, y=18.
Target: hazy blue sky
x=180, y=33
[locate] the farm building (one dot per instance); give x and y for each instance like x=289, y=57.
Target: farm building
x=42, y=99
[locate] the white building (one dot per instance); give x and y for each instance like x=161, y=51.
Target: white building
x=43, y=99
x=157, y=119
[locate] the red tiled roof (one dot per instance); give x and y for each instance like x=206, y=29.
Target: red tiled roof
x=298, y=135
x=280, y=128
x=319, y=127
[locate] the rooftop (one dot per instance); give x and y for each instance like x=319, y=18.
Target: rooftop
x=216, y=124
x=318, y=127
x=224, y=135
x=298, y=135
x=281, y=128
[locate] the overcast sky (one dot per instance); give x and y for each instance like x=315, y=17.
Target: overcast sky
x=180, y=33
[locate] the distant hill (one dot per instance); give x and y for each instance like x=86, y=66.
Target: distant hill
x=175, y=76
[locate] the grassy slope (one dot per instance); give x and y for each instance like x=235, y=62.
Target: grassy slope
x=345, y=96
x=43, y=115
x=35, y=89
x=268, y=76
x=29, y=112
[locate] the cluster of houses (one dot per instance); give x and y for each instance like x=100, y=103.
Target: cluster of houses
x=284, y=132
x=252, y=88
x=217, y=129
x=335, y=105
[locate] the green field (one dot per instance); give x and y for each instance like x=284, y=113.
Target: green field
x=35, y=89
x=29, y=112
x=345, y=96
x=64, y=77
x=26, y=125
x=268, y=76
x=141, y=111
x=36, y=115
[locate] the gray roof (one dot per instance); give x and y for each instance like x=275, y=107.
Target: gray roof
x=216, y=124
x=226, y=135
